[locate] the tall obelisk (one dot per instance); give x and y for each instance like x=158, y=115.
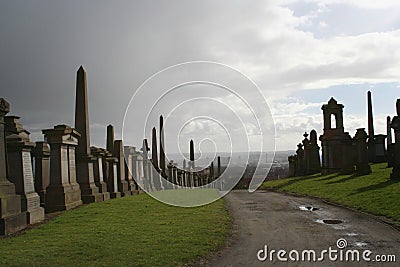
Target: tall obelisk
x=84, y=159
x=162, y=148
x=371, y=134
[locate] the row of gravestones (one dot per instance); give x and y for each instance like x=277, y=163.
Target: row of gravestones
x=343, y=154
x=64, y=171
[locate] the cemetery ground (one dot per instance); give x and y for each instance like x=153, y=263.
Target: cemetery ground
x=374, y=193
x=129, y=231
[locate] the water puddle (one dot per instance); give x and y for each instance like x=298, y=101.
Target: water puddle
x=330, y=221
x=308, y=208
x=351, y=234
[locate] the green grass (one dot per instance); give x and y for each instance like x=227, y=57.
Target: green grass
x=375, y=193
x=129, y=231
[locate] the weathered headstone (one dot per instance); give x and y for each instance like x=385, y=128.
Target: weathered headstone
x=41, y=152
x=301, y=166
x=63, y=192
x=395, y=125
x=292, y=166
x=123, y=186
x=98, y=173
x=84, y=159
x=131, y=169
x=361, y=151
x=20, y=168
x=11, y=218
x=337, y=149
x=313, y=164
x=389, y=143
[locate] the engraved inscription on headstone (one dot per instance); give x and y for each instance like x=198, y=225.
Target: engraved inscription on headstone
x=27, y=169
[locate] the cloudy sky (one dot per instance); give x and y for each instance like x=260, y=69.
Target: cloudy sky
x=298, y=53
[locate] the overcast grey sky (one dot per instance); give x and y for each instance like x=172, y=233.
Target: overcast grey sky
x=299, y=53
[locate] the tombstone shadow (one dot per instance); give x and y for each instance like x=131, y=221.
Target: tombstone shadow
x=381, y=185
x=329, y=176
x=295, y=180
x=344, y=179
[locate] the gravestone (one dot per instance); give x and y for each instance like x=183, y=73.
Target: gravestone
x=292, y=166
x=154, y=160
x=360, y=141
x=84, y=159
x=380, y=149
x=395, y=125
x=41, y=152
x=389, y=143
x=337, y=151
x=300, y=161
x=218, y=166
x=110, y=138
x=162, y=149
x=313, y=163
x=20, y=168
x=123, y=186
x=98, y=173
x=11, y=218
x=110, y=168
x=130, y=168
x=63, y=192
x=147, y=166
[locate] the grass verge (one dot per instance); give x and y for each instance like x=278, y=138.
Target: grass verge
x=375, y=193
x=129, y=231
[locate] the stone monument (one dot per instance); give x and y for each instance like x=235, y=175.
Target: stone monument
x=362, y=166
x=395, y=125
x=41, y=152
x=313, y=163
x=20, y=168
x=337, y=149
x=98, y=173
x=84, y=159
x=123, y=186
x=11, y=218
x=63, y=192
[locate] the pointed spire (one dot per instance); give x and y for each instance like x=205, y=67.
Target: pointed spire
x=191, y=153
x=110, y=138
x=370, y=117
x=162, y=151
x=154, y=154
x=81, y=113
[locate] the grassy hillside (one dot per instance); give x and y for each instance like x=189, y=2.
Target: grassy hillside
x=129, y=231
x=374, y=193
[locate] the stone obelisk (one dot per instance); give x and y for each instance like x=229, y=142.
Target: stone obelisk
x=162, y=148
x=191, y=154
x=11, y=217
x=110, y=138
x=371, y=134
x=154, y=153
x=84, y=159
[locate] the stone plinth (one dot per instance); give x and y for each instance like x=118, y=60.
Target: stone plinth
x=11, y=218
x=63, y=192
x=110, y=166
x=98, y=172
x=20, y=169
x=41, y=152
x=118, y=153
x=361, y=151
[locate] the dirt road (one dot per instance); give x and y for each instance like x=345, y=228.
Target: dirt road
x=283, y=222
